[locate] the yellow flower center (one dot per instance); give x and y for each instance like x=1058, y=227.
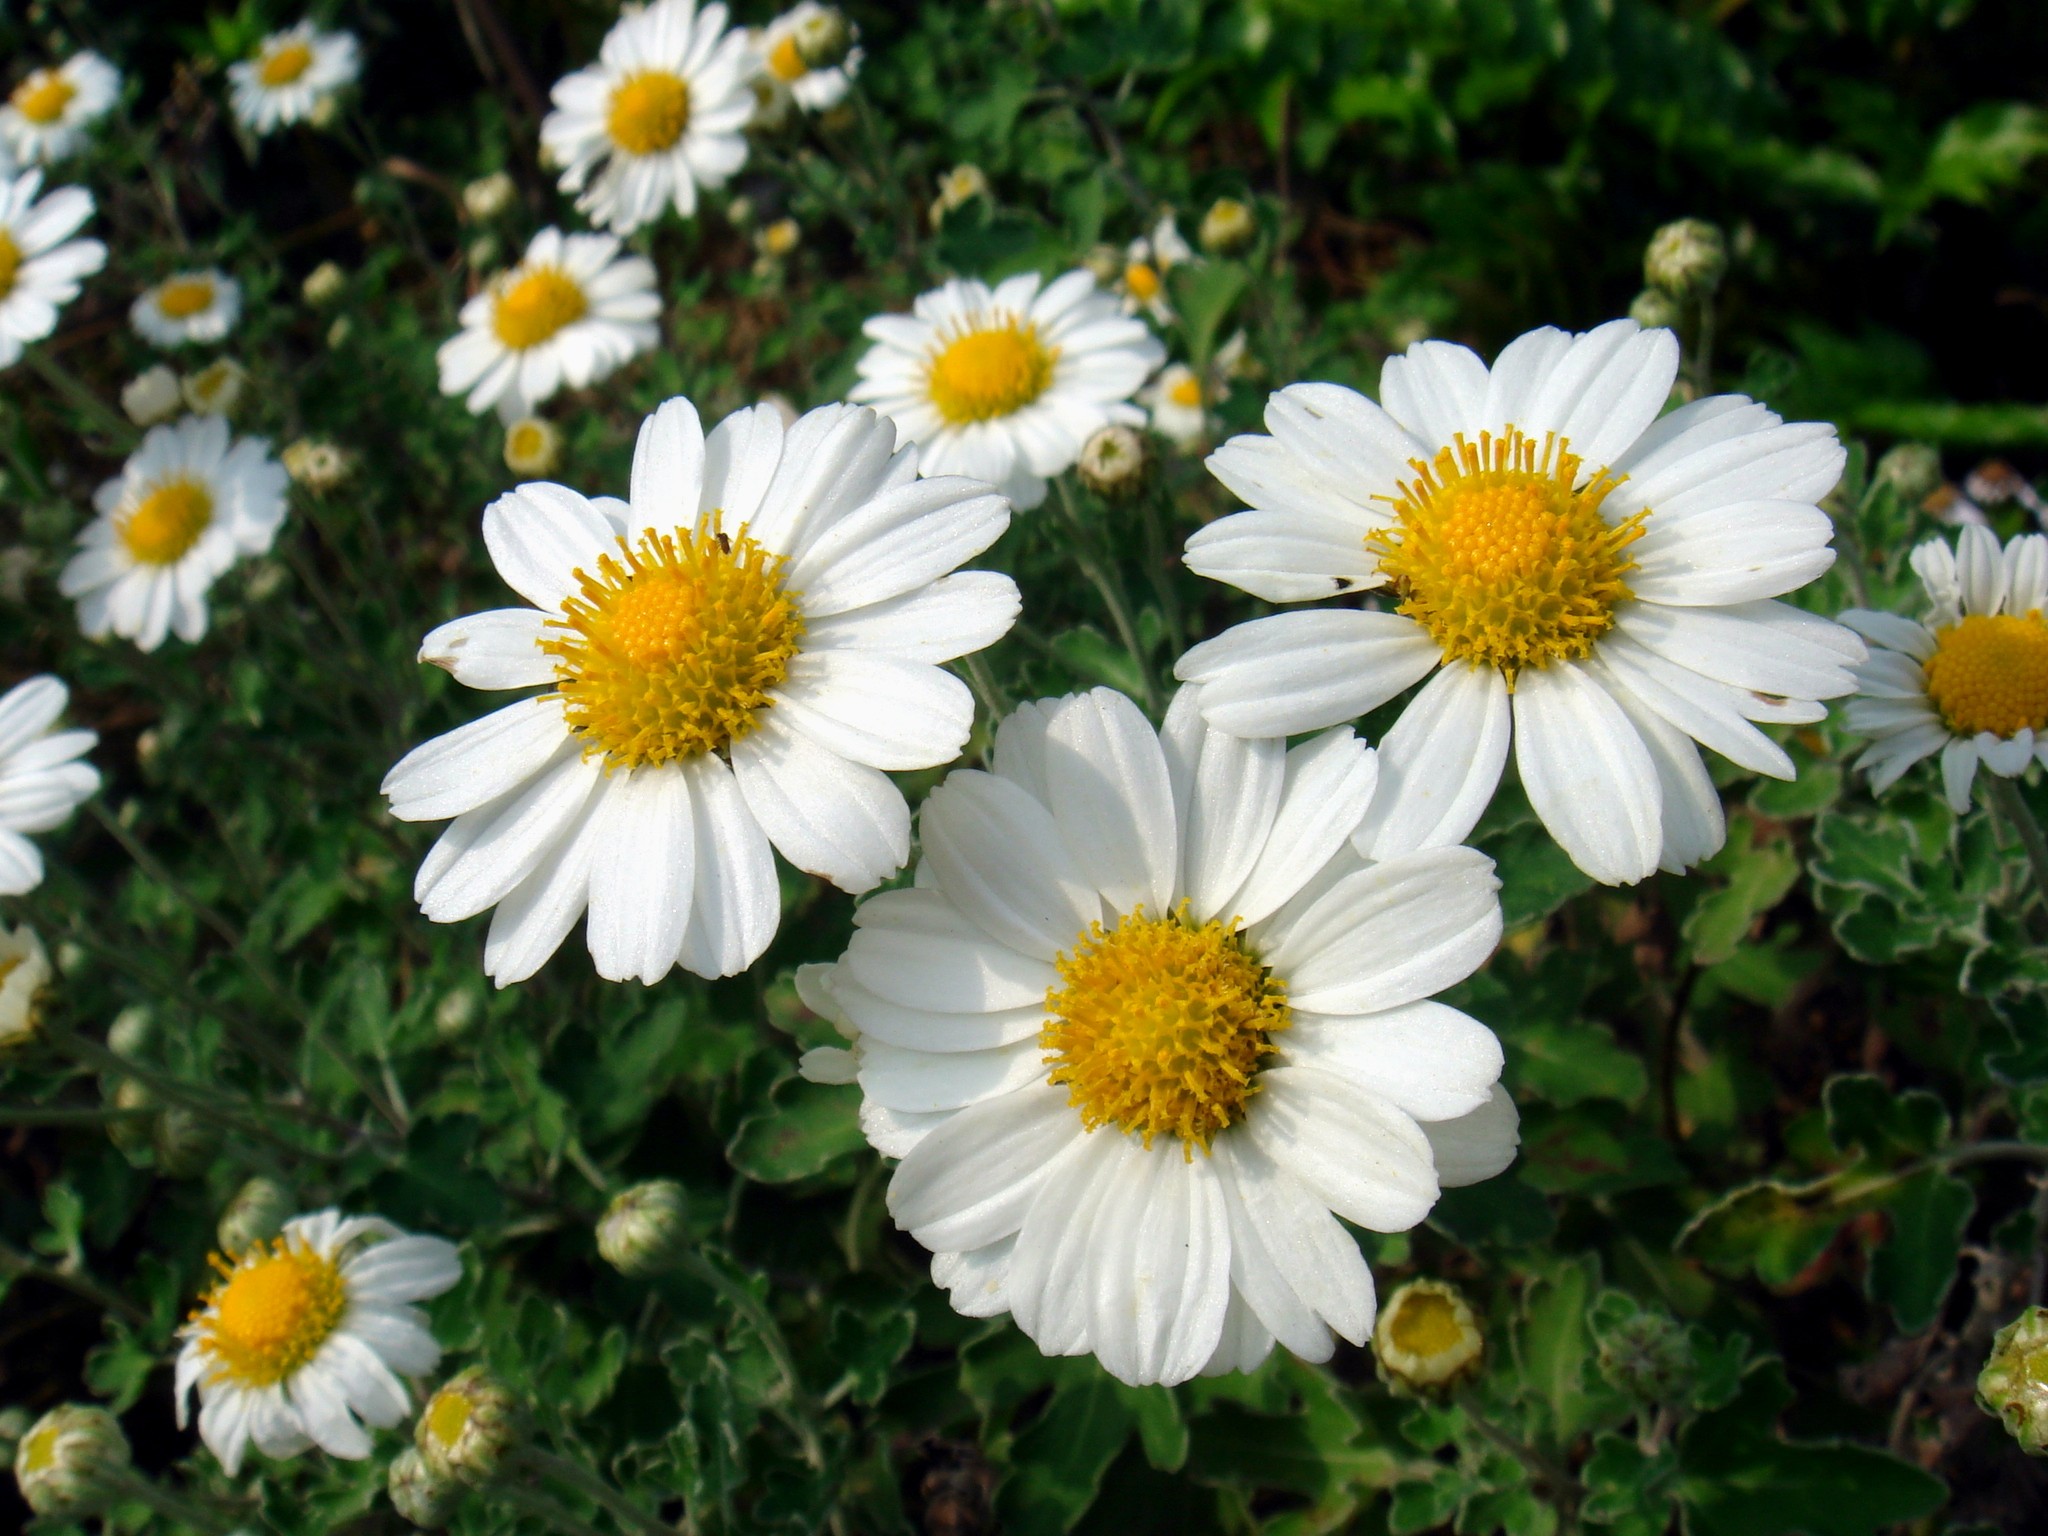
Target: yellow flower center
x=1426, y=1324
x=1158, y=1026
x=1990, y=673
x=43, y=96
x=1142, y=280
x=674, y=651
x=533, y=306
x=989, y=373
x=649, y=112
x=183, y=297
x=1185, y=391
x=448, y=1415
x=168, y=521
x=10, y=262
x=527, y=442
x=283, y=65
x=1502, y=557
x=39, y=1451
x=270, y=1314
x=785, y=62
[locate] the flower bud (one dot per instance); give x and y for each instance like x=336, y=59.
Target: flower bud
x=455, y=1013
x=326, y=112
x=533, y=446
x=258, y=1213
x=324, y=284
x=420, y=1493
x=132, y=1130
x=645, y=1229
x=317, y=465
x=216, y=389
x=777, y=240
x=1913, y=470
x=959, y=185
x=1654, y=310
x=151, y=396
x=1228, y=228
x=1427, y=1338
x=1687, y=259
x=186, y=1140
x=824, y=38
x=1115, y=463
x=2014, y=1382
x=67, y=1462
x=338, y=333
x=128, y=1036
x=489, y=196
x=1646, y=1355
x=469, y=1427
x=24, y=985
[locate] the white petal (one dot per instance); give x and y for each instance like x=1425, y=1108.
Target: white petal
x=1295, y=672
x=1112, y=799
x=826, y=815
x=496, y=649
x=1440, y=764
x=1475, y=1147
x=642, y=875
x=540, y=535
x=997, y=855
x=1423, y=1057
x=969, y=1182
x=1330, y=781
x=1364, y=1159
x=475, y=763
x=1587, y=773
x=737, y=902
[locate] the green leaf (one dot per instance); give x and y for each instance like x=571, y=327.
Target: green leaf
x=1205, y=293
x=1774, y=1229
x=1759, y=876
x=1911, y=1273
x=1536, y=876
x=1162, y=1431
x=1864, y=1115
x=806, y=1128
x=1555, y=1345
x=1057, y=1463
x=1594, y=1149
x=1569, y=1062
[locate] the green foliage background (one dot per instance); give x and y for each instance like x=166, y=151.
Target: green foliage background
x=1790, y=1104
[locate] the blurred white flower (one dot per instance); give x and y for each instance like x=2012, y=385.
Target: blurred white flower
x=41, y=266
x=785, y=48
x=24, y=973
x=317, y=464
x=188, y=307
x=292, y=75
x=47, y=115
x=216, y=389
x=959, y=186
x=41, y=780
x=152, y=396
x=489, y=196
x=1147, y=260
x=533, y=446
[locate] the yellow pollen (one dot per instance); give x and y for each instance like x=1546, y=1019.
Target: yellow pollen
x=183, y=297
x=1990, y=673
x=673, y=651
x=1142, y=279
x=988, y=373
x=1500, y=554
x=1185, y=391
x=39, y=1451
x=448, y=1416
x=785, y=62
x=1158, y=1026
x=43, y=96
x=270, y=1313
x=533, y=305
x=1426, y=1325
x=281, y=66
x=168, y=521
x=649, y=112
x=10, y=262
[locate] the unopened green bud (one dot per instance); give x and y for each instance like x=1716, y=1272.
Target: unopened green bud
x=258, y=1213
x=1687, y=259
x=2014, y=1382
x=824, y=38
x=1228, y=228
x=1427, y=1338
x=420, y=1493
x=1115, y=463
x=186, y=1140
x=469, y=1427
x=645, y=1230
x=324, y=284
x=1654, y=310
x=455, y=1012
x=69, y=1461
x=1646, y=1356
x=1913, y=470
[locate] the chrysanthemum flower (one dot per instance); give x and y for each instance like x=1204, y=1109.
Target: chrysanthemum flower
x=780, y=56
x=735, y=660
x=41, y=266
x=41, y=780
x=572, y=312
x=1971, y=681
x=1147, y=260
x=187, y=505
x=47, y=115
x=24, y=973
x=308, y=1338
x=662, y=113
x=290, y=75
x=188, y=307
x=1006, y=384
x=1564, y=568
x=1146, y=1027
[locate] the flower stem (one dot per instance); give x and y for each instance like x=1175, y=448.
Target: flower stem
x=597, y=1490
x=75, y=390
x=749, y=1306
x=14, y=1262
x=180, y=1508
x=2013, y=808
x=1112, y=595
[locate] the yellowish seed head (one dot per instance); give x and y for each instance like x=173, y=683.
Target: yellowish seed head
x=448, y=1416
x=1499, y=553
x=1158, y=1026
x=1427, y=1337
x=270, y=1313
x=1142, y=281
x=168, y=521
x=996, y=371
x=1989, y=672
x=43, y=96
x=183, y=297
x=649, y=112
x=536, y=303
x=284, y=64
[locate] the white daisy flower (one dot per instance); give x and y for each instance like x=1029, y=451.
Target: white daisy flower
x=1179, y=404
x=290, y=75
x=1005, y=384
x=1146, y=1027
x=662, y=113
x=572, y=312
x=47, y=115
x=1971, y=681
x=187, y=505
x=779, y=56
x=188, y=307
x=41, y=266
x=24, y=973
x=735, y=661
x=41, y=779
x=306, y=1339
x=1567, y=571
x=1147, y=260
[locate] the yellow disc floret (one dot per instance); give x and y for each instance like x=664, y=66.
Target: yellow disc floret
x=10, y=262
x=992, y=372
x=1990, y=673
x=43, y=96
x=168, y=521
x=270, y=1313
x=284, y=64
x=183, y=297
x=534, y=304
x=1142, y=280
x=674, y=645
x=649, y=112
x=1158, y=1026
x=1501, y=554
x=786, y=60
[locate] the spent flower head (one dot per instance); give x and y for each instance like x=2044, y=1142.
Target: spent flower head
x=1427, y=1338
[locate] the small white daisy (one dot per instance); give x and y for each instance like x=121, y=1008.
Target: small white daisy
x=1147, y=260
x=41, y=780
x=1006, y=384
x=47, y=115
x=306, y=1339
x=290, y=75
x=572, y=312
x=1146, y=1027
x=186, y=506
x=41, y=266
x=1971, y=682
x=662, y=113
x=1567, y=570
x=779, y=56
x=735, y=661
x=1180, y=399
x=24, y=973
x=188, y=307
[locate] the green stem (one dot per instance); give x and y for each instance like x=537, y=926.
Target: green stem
x=75, y=390
x=1161, y=566
x=2013, y=808
x=552, y=1514
x=177, y=1507
x=1547, y=1474
x=750, y=1306
x=14, y=1262
x=993, y=699
x=47, y=1114
x=597, y=1490
x=1111, y=592
x=1703, y=350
